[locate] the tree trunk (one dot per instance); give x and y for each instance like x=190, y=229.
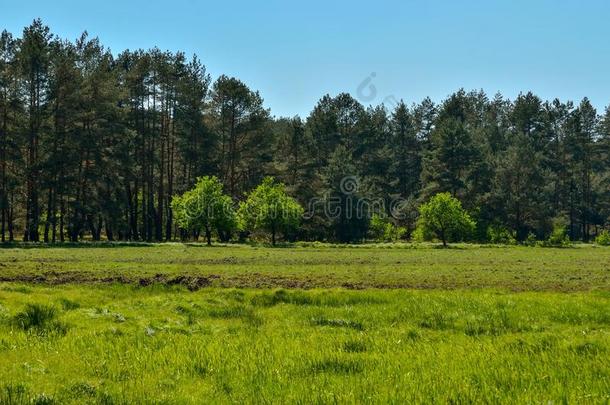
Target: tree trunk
x=11, y=235
x=208, y=235
x=62, y=212
x=47, y=224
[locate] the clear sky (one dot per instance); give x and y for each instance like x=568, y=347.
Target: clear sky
x=295, y=52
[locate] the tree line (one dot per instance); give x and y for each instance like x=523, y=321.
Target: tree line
x=96, y=145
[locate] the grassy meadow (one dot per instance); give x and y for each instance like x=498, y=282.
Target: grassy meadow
x=190, y=324
x=407, y=266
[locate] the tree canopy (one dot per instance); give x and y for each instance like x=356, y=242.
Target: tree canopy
x=205, y=207
x=95, y=145
x=444, y=217
x=268, y=208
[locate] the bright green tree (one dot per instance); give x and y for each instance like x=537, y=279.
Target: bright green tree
x=444, y=217
x=382, y=229
x=205, y=207
x=270, y=209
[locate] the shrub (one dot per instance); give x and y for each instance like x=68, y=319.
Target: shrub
x=603, y=238
x=422, y=234
x=559, y=237
x=501, y=235
x=383, y=230
x=531, y=240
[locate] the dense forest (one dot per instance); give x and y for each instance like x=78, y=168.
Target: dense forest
x=94, y=145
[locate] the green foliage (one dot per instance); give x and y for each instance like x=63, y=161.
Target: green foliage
x=423, y=234
x=447, y=162
x=39, y=318
x=206, y=208
x=603, y=239
x=95, y=144
x=531, y=240
x=495, y=155
x=444, y=217
x=381, y=229
x=342, y=194
x=558, y=237
x=268, y=208
x=500, y=235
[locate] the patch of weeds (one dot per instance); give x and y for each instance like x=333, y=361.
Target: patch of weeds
x=82, y=389
x=5, y=345
x=237, y=312
x=226, y=387
x=267, y=299
x=413, y=335
x=332, y=299
x=43, y=399
x=14, y=394
x=589, y=349
x=68, y=305
x=474, y=328
x=546, y=343
x=104, y=312
x=230, y=312
x=336, y=366
x=106, y=398
x=191, y=319
x=177, y=330
x=189, y=313
x=18, y=289
x=119, y=318
x=113, y=332
x=578, y=316
x=254, y=320
x=101, y=311
x=354, y=346
x=19, y=394
x=200, y=366
x=39, y=318
x=495, y=323
x=337, y=323
x=235, y=295
x=437, y=320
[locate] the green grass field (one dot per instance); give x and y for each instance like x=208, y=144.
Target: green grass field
x=190, y=324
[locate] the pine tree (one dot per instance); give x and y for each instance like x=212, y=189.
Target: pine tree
x=345, y=206
x=9, y=110
x=34, y=61
x=517, y=187
x=245, y=141
x=405, y=155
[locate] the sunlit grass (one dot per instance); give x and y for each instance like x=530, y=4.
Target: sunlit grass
x=312, y=324
x=164, y=343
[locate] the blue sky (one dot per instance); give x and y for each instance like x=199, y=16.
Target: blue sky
x=295, y=52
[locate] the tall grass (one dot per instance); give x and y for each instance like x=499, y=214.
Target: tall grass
x=40, y=319
x=224, y=346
